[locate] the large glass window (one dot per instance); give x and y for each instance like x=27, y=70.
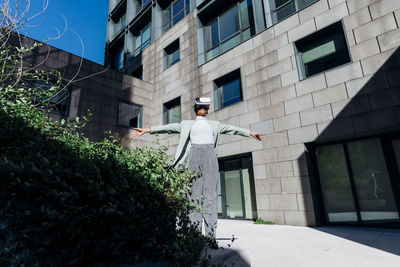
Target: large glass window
x=335, y=184
x=228, y=30
x=174, y=13
x=236, y=189
x=321, y=51
x=281, y=9
x=129, y=115
x=142, y=40
x=371, y=178
x=356, y=184
x=171, y=54
x=227, y=90
x=172, y=111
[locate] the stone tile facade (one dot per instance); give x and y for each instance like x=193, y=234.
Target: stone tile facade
x=287, y=111
x=349, y=101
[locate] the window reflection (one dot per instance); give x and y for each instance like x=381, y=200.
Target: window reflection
x=227, y=90
x=175, y=12
x=236, y=198
x=129, y=115
x=335, y=184
x=228, y=30
x=142, y=40
x=355, y=181
x=371, y=179
x=172, y=111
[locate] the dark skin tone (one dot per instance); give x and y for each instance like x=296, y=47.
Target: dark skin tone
x=199, y=112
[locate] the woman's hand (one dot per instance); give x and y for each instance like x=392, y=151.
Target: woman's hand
x=139, y=132
x=256, y=136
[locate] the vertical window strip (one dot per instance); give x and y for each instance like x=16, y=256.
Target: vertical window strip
x=143, y=40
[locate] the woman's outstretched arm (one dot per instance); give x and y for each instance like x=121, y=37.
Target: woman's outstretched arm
x=169, y=128
x=234, y=130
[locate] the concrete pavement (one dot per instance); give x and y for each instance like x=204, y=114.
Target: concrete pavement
x=283, y=246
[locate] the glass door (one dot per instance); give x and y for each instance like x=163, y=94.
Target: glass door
x=233, y=188
x=236, y=189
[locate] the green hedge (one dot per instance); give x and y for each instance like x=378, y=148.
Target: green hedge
x=66, y=201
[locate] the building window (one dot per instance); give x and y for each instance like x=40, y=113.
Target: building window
x=228, y=30
x=227, y=90
x=281, y=9
x=138, y=72
x=117, y=60
x=322, y=50
x=59, y=103
x=142, y=39
x=236, y=198
x=171, y=54
x=141, y=3
x=357, y=179
x=129, y=115
x=145, y=2
x=174, y=13
x=120, y=24
x=172, y=111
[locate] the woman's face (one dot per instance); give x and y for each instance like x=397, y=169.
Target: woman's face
x=201, y=112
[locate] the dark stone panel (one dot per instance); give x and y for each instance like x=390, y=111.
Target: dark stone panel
x=380, y=119
x=385, y=98
x=338, y=128
x=359, y=104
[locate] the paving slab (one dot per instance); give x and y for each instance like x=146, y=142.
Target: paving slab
x=258, y=245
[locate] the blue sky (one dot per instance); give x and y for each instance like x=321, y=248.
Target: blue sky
x=87, y=18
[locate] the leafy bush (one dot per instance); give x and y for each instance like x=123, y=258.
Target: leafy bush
x=67, y=201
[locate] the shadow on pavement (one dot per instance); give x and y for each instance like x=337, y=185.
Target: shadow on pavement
x=383, y=239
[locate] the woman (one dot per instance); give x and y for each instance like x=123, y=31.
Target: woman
x=197, y=150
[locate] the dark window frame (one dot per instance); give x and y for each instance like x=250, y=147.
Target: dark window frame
x=168, y=106
x=335, y=30
x=116, y=63
x=169, y=52
x=218, y=88
x=140, y=116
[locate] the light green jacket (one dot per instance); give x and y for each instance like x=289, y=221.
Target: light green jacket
x=184, y=128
